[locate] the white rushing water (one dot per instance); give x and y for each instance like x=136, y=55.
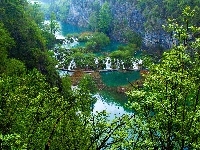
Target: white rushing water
x=103, y=103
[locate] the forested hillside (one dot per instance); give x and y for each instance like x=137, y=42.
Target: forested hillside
x=40, y=110
x=123, y=17
x=27, y=43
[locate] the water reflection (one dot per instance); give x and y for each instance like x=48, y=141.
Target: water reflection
x=111, y=107
x=71, y=29
x=112, y=102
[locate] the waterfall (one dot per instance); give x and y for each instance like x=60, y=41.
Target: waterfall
x=135, y=66
x=118, y=64
x=72, y=65
x=108, y=63
x=96, y=61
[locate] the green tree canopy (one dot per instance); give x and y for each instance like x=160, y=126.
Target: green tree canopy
x=97, y=41
x=6, y=42
x=167, y=105
x=104, y=18
x=30, y=44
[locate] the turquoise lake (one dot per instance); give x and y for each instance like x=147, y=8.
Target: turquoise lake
x=111, y=101
x=71, y=29
x=116, y=78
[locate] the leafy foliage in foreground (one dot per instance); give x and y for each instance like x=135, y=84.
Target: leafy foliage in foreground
x=168, y=104
x=36, y=116
x=29, y=40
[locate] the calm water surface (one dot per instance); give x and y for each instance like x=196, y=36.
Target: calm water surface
x=112, y=102
x=71, y=29
x=116, y=78
x=112, y=107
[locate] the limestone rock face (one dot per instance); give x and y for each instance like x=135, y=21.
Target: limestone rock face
x=79, y=12
x=125, y=17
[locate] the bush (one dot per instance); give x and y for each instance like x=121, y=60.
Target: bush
x=133, y=37
x=97, y=42
x=84, y=37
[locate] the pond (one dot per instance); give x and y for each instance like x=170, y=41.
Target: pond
x=113, y=106
x=112, y=102
x=67, y=28
x=117, y=78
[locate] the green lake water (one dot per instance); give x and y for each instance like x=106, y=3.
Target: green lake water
x=71, y=29
x=117, y=78
x=113, y=102
x=110, y=48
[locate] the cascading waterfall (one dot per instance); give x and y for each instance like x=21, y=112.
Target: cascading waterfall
x=71, y=42
x=135, y=66
x=96, y=61
x=72, y=65
x=108, y=63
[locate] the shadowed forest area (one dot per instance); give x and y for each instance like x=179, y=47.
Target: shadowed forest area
x=40, y=109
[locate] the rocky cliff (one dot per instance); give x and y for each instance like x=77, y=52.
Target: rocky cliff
x=125, y=17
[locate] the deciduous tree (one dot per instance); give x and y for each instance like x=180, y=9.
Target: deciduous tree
x=167, y=106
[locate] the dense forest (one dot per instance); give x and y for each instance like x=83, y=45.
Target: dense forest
x=121, y=19
x=40, y=110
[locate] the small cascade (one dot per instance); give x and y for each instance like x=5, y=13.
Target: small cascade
x=122, y=65
x=135, y=66
x=108, y=63
x=70, y=42
x=140, y=61
x=96, y=61
x=118, y=64
x=59, y=36
x=67, y=43
x=72, y=65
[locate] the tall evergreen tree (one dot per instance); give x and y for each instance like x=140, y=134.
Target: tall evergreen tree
x=104, y=18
